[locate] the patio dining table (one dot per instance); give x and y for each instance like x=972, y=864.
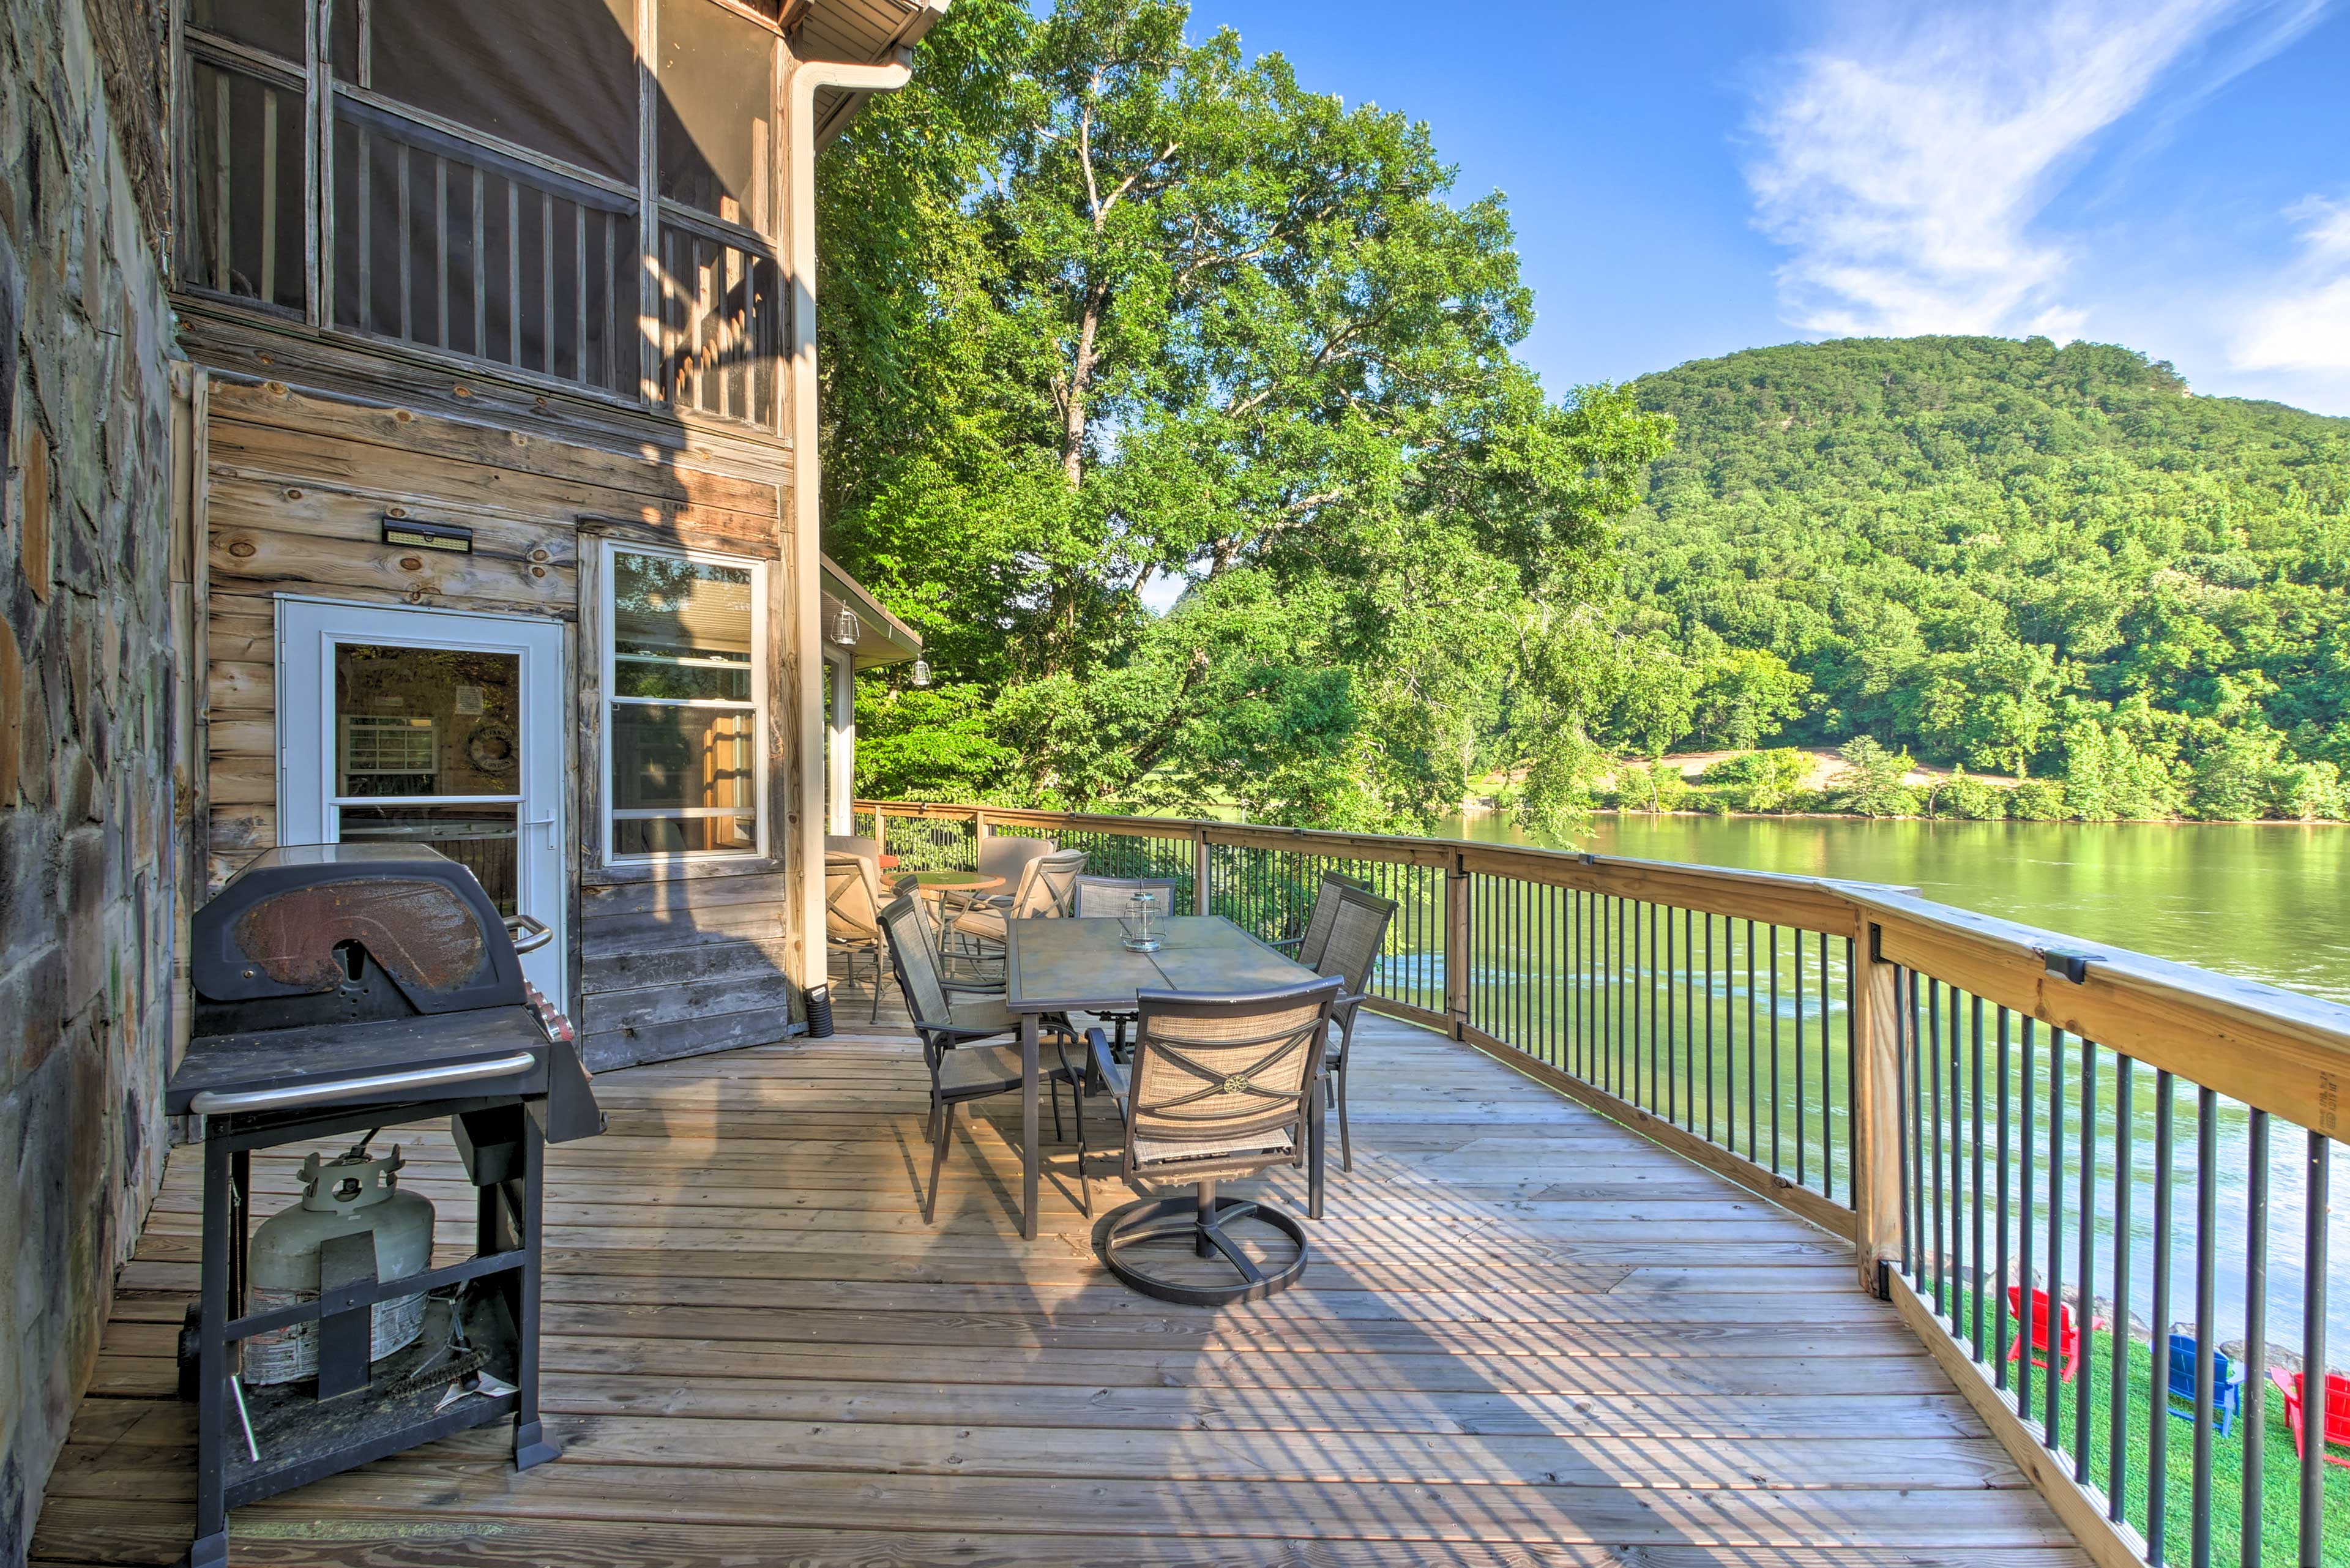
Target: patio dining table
x=1067, y=965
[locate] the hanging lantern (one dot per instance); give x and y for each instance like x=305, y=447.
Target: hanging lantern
x=845, y=630
x=921, y=673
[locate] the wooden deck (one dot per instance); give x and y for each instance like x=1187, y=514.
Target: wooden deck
x=1529, y=1337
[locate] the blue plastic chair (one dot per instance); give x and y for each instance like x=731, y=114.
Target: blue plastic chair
x=2227, y=1383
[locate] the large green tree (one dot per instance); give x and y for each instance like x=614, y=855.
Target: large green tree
x=1111, y=306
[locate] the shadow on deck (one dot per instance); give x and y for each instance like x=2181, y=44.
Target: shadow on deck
x=1528, y=1338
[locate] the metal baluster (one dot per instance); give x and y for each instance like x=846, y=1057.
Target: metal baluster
x=1958, y=1259
x=1851, y=1071
x=1709, y=1025
x=1917, y=1043
x=1905, y=982
x=2318, y=1200
x=2124, y=1182
x=1800, y=1136
x=1776, y=1080
x=2253, y=1419
x=2027, y=1298
x=2055, y=1385
x=1654, y=972
x=1827, y=1088
x=1752, y=1119
x=1932, y=1069
x=1998, y=1286
x=1975, y=1037
x=2088, y=1289
x=2158, y=1436
x=2207, y=1281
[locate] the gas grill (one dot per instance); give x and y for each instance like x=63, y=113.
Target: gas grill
x=340, y=989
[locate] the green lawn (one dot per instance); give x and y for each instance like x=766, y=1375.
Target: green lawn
x=2280, y=1472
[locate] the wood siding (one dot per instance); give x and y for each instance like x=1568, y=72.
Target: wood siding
x=298, y=482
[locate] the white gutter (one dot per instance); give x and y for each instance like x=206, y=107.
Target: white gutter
x=808, y=554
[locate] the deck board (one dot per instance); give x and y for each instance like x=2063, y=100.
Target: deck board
x=1528, y=1338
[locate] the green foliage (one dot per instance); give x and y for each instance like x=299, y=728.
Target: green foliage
x=2108, y=778
x=927, y=745
x=1964, y=795
x=2037, y=800
x=1651, y=786
x=1104, y=305
x=1761, y=781
x=1873, y=782
x=1974, y=546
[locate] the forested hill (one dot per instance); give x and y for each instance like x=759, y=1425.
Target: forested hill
x=2013, y=556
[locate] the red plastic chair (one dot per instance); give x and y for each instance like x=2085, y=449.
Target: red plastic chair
x=2068, y=1333
x=2337, y=1410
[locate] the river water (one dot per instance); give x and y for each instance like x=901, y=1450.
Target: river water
x=2266, y=901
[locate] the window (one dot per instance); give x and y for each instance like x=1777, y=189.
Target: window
x=685, y=705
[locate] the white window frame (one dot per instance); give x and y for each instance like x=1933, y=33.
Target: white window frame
x=761, y=802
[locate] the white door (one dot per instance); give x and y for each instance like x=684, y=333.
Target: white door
x=419, y=726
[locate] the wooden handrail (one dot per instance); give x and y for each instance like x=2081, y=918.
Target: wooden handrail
x=2272, y=1049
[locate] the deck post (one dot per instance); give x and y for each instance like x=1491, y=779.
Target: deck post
x=1456, y=943
x=1876, y=1107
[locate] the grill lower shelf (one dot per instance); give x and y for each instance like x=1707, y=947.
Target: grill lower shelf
x=303, y=1439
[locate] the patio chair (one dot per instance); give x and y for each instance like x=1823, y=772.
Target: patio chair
x=1222, y=1086
x=952, y=1022
x=852, y=915
x=2337, y=1412
x=1307, y=946
x=2227, y=1383
x=1107, y=899
x=2068, y=1335
x=1352, y=940
x=999, y=856
x=1047, y=888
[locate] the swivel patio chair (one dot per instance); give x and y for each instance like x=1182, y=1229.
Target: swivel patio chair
x=954, y=1023
x=852, y=915
x=1222, y=1086
x=999, y=854
x=1353, y=939
x=1108, y=898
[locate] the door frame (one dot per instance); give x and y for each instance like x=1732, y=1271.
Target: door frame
x=305, y=642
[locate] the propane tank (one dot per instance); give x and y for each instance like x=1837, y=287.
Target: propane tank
x=353, y=1193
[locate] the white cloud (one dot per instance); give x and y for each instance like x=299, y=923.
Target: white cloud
x=1905, y=164
x=2301, y=323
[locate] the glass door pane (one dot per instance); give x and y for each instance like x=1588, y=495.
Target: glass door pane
x=416, y=727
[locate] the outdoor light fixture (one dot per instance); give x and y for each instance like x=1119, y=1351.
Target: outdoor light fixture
x=845, y=629
x=921, y=674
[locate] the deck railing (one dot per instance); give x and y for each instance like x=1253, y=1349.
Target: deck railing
x=1991, y=1111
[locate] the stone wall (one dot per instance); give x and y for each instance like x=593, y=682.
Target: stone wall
x=87, y=889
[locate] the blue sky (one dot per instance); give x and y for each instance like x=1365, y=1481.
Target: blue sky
x=1689, y=178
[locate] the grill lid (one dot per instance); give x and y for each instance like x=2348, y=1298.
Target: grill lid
x=312, y=920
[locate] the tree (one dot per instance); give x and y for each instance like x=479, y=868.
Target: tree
x=1173, y=317
x=1761, y=781
x=1744, y=695
x=1874, y=781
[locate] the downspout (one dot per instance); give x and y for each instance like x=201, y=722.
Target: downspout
x=807, y=565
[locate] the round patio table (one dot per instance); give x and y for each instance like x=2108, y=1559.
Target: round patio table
x=939, y=883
